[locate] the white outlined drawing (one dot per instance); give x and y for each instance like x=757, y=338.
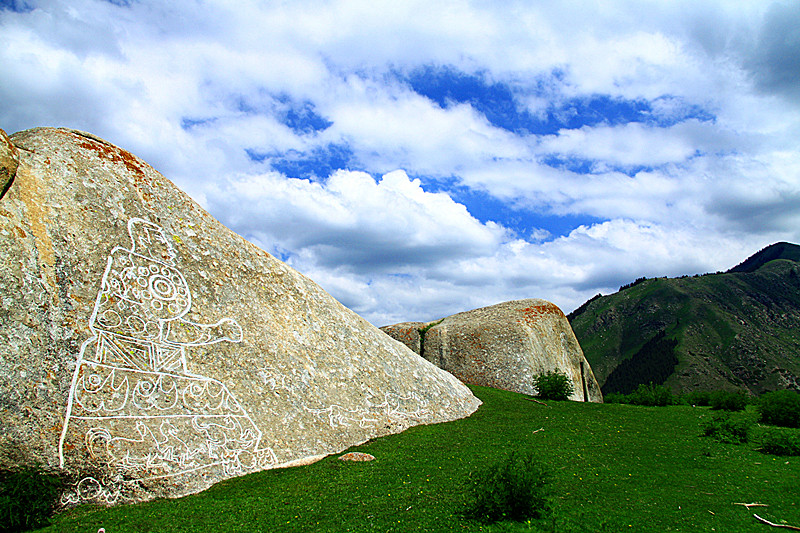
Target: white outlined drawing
x=139, y=407
x=394, y=409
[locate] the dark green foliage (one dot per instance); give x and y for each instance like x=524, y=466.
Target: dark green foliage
x=698, y=398
x=615, y=397
x=728, y=401
x=722, y=428
x=780, y=408
x=553, y=385
x=633, y=283
x=780, y=441
x=651, y=395
x=515, y=488
x=653, y=363
x=28, y=496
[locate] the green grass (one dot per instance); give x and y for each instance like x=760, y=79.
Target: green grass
x=615, y=468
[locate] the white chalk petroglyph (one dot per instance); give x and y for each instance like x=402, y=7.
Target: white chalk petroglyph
x=140, y=408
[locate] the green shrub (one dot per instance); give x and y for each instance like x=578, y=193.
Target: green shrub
x=722, y=428
x=651, y=395
x=515, y=488
x=698, y=397
x=780, y=408
x=615, y=397
x=780, y=441
x=28, y=496
x=553, y=385
x=728, y=401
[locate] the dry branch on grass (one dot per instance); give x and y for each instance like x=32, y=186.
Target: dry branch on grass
x=782, y=526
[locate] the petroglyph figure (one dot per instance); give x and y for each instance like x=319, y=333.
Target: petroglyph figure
x=134, y=399
x=394, y=409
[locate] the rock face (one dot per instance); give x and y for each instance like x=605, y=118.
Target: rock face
x=503, y=346
x=406, y=332
x=149, y=351
x=9, y=161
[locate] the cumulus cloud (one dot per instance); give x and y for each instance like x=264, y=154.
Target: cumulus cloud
x=341, y=136
x=353, y=222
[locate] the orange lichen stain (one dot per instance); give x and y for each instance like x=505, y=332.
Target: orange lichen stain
x=20, y=232
x=117, y=155
x=535, y=312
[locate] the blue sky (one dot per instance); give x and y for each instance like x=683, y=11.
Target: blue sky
x=419, y=159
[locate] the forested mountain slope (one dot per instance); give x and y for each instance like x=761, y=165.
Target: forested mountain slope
x=734, y=330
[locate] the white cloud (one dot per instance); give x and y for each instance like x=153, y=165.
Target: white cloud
x=637, y=144
x=192, y=87
x=398, y=128
x=352, y=220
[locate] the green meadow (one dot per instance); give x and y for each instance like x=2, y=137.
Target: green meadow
x=614, y=467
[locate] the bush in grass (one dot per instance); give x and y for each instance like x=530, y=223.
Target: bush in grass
x=28, y=496
x=515, y=488
x=553, y=385
x=651, y=395
x=698, y=397
x=615, y=397
x=722, y=428
x=780, y=408
x=728, y=401
x=780, y=441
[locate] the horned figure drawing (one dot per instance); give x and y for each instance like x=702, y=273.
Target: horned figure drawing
x=134, y=403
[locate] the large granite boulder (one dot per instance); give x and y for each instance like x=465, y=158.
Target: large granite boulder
x=503, y=346
x=149, y=351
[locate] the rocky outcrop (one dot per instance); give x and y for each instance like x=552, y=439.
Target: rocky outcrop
x=149, y=351
x=408, y=333
x=9, y=161
x=505, y=346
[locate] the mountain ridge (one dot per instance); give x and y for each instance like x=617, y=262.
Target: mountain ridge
x=779, y=250
x=729, y=330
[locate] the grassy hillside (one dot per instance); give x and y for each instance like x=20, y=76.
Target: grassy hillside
x=781, y=250
x=614, y=468
x=739, y=329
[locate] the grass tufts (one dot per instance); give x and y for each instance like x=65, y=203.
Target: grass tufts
x=28, y=496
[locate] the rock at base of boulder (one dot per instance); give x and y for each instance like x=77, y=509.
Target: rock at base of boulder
x=357, y=456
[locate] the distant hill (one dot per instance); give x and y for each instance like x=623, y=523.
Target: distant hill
x=734, y=330
x=781, y=250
